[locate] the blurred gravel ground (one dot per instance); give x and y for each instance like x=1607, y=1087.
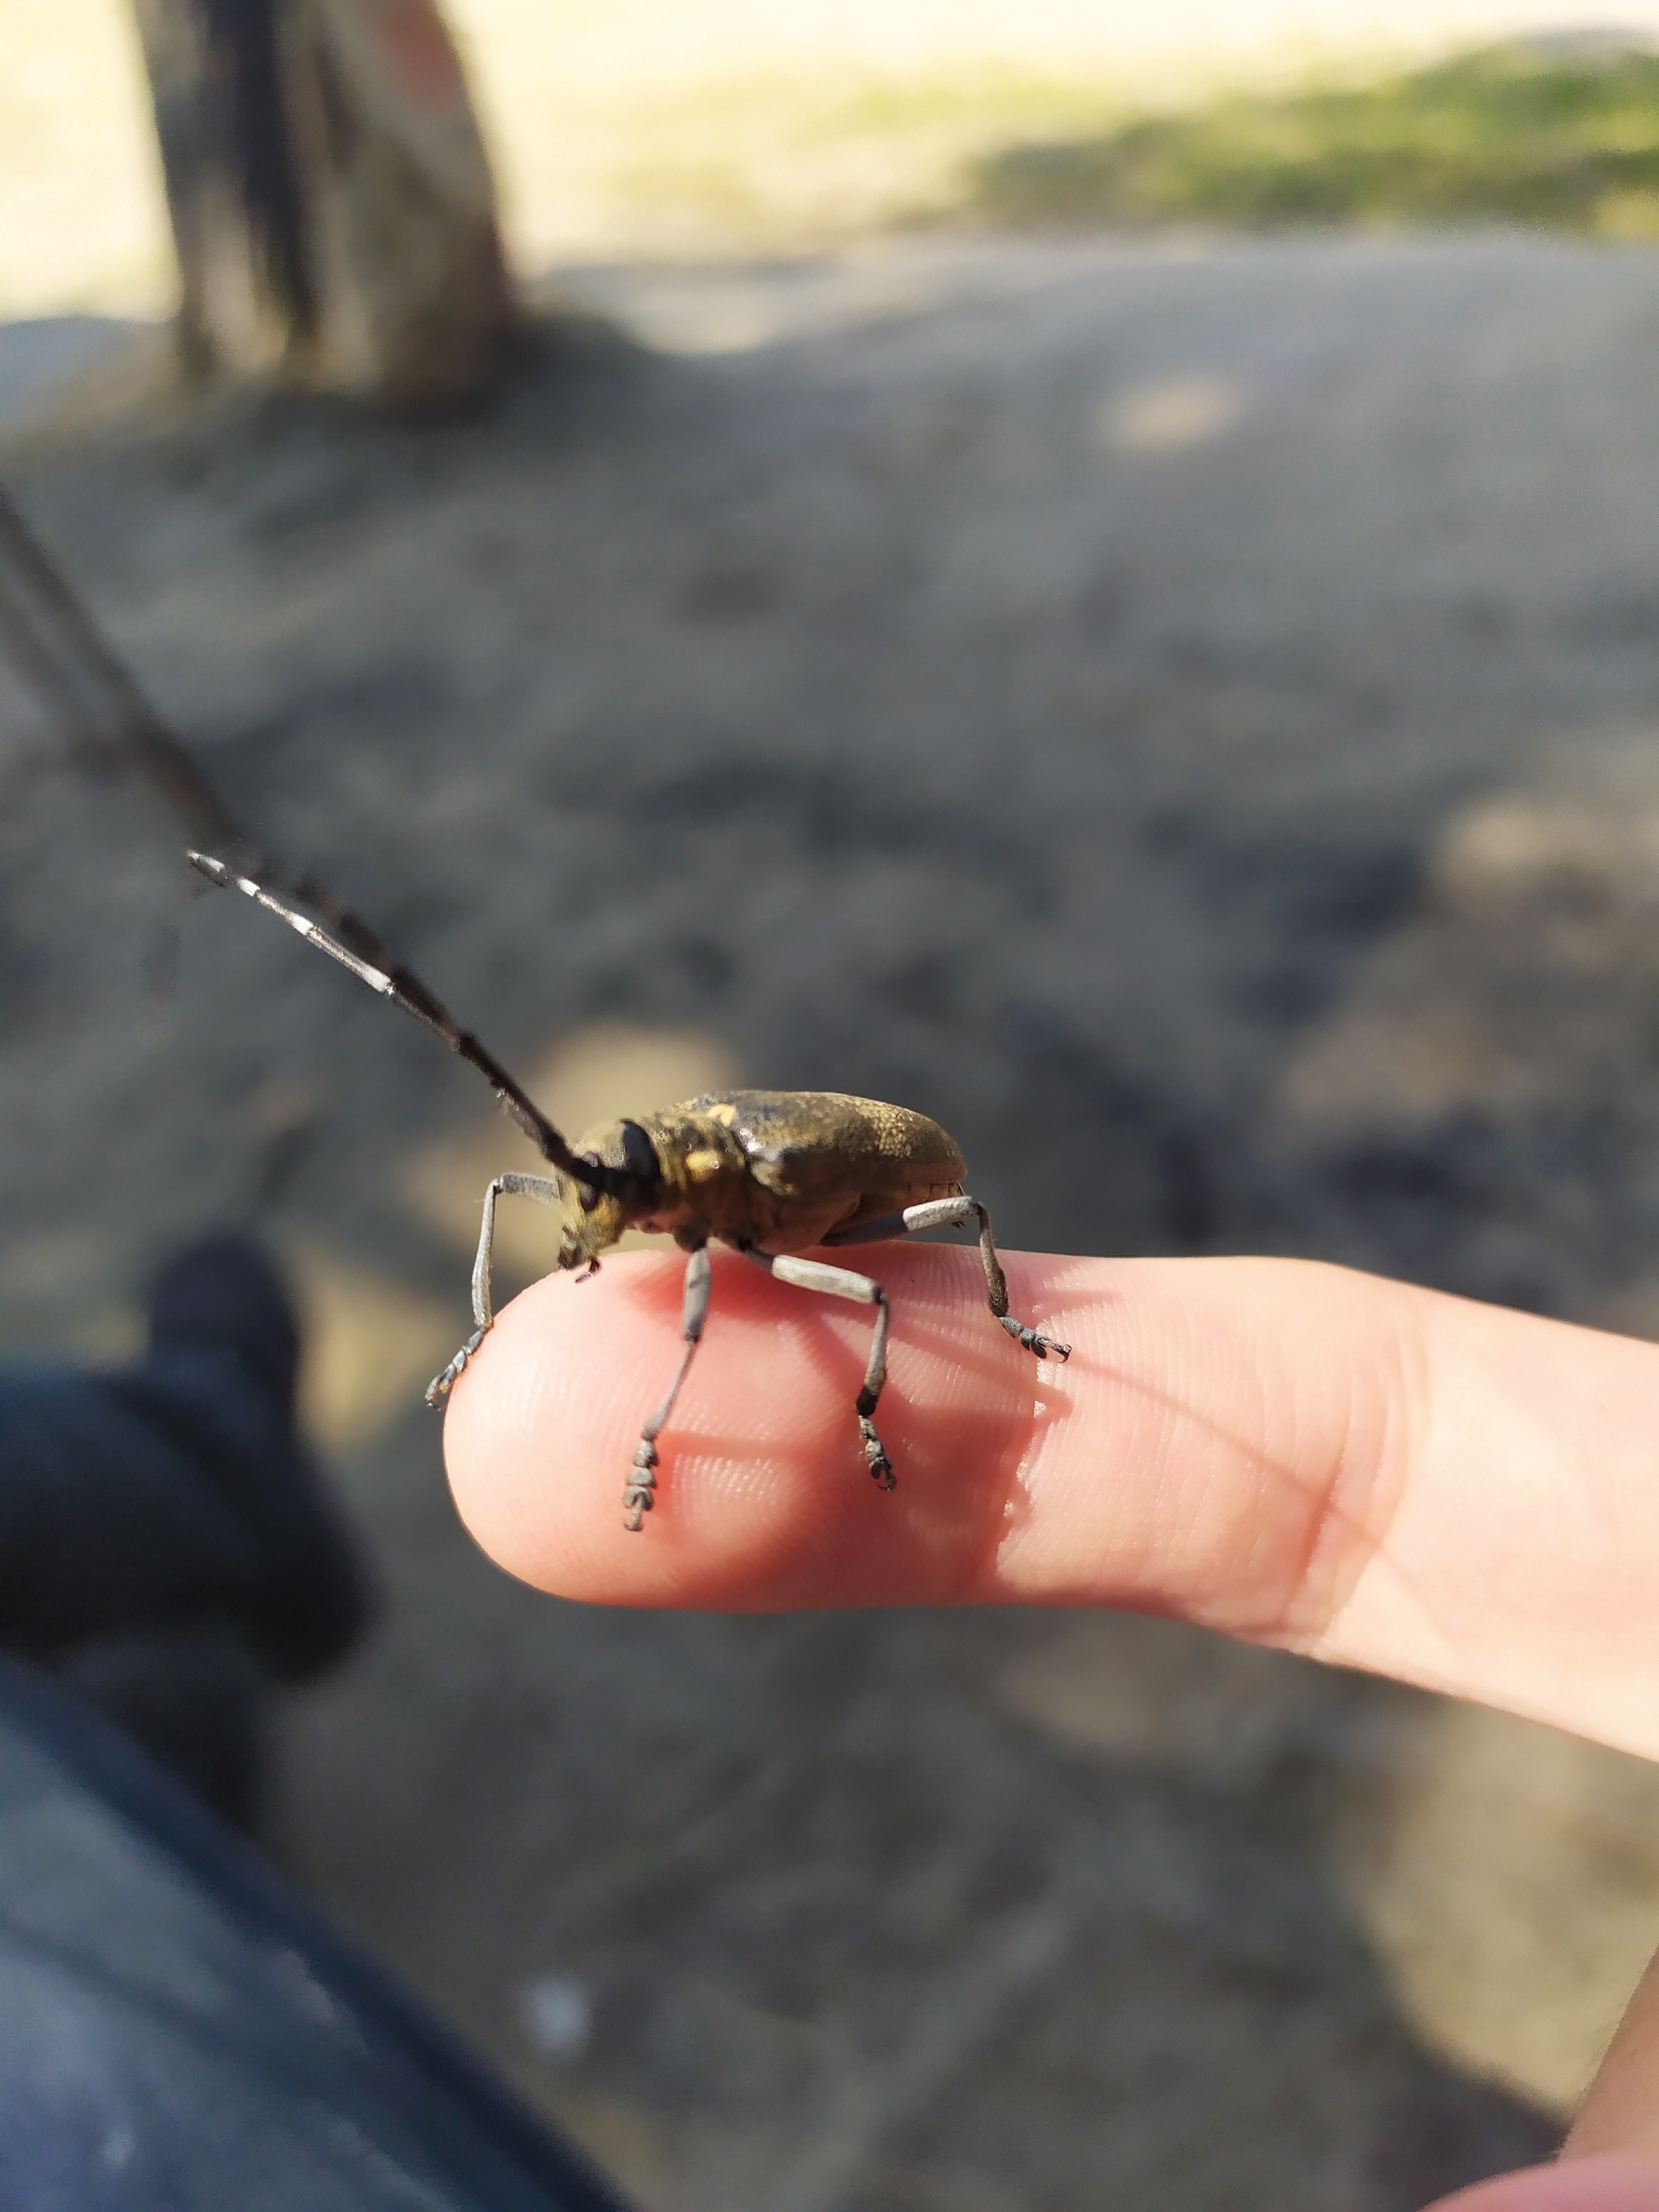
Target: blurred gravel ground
x=1185, y=718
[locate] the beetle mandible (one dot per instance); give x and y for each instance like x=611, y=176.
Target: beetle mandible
x=771, y=1173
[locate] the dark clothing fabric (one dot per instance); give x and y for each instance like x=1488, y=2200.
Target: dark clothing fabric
x=168, y=1548
x=177, y=1490
x=166, y=1492
x=179, y=2034
x=110, y=1517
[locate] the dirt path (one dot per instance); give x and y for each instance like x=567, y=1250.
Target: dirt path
x=1186, y=720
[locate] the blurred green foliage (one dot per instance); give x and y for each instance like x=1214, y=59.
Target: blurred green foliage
x=1547, y=132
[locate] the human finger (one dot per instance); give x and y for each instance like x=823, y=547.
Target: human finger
x=1620, y=2113
x=1302, y=1454
x=1610, y=2160
x=1596, y=2185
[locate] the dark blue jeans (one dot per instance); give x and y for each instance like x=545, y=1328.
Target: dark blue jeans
x=169, y=1492
x=179, y=2034
x=169, y=1548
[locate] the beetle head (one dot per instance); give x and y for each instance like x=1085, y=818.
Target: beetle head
x=595, y=1220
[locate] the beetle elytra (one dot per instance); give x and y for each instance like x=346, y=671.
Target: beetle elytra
x=771, y=1173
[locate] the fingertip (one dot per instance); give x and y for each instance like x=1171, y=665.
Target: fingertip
x=763, y=1494
x=550, y=1407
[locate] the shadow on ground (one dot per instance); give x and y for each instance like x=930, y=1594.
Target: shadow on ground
x=1184, y=721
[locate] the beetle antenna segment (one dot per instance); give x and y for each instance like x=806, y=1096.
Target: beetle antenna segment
x=110, y=722
x=105, y=715
x=368, y=960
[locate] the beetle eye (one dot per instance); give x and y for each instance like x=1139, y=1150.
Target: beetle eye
x=639, y=1154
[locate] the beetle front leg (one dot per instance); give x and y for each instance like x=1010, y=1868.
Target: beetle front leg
x=640, y=1494
x=550, y=1192
x=958, y=1214
x=842, y=1282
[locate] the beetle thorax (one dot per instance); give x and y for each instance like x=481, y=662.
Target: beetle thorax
x=694, y=1185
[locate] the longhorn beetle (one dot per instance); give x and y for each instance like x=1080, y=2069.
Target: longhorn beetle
x=769, y=1172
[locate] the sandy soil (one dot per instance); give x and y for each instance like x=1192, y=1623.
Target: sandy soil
x=1185, y=718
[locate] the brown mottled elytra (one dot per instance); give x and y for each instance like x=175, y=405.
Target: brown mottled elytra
x=771, y=1173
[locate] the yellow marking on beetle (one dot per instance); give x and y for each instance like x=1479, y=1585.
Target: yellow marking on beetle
x=725, y=1116
x=703, y=1163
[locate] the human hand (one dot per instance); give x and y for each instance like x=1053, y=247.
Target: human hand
x=1454, y=1494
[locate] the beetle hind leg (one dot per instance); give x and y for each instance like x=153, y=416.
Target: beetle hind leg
x=960, y=1213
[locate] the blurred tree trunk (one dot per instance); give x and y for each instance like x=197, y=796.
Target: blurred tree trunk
x=330, y=195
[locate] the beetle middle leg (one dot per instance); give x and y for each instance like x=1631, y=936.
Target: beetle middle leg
x=842, y=1282
x=958, y=1214
x=640, y=1494
x=513, y=1185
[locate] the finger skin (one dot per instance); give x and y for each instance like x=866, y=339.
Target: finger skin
x=1596, y=2185
x=1459, y=1495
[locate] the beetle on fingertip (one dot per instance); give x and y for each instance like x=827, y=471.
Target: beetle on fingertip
x=771, y=1173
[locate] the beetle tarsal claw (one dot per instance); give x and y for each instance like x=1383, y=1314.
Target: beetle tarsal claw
x=440, y=1385
x=875, y=1453
x=640, y=1494
x=1044, y=1348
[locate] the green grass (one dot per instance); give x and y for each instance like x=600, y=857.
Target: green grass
x=1518, y=133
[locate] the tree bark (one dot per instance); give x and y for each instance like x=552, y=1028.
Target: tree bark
x=330, y=196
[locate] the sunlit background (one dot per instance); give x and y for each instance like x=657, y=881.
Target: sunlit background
x=641, y=129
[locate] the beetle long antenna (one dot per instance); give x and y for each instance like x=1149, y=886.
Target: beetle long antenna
x=111, y=723
x=101, y=709
x=369, y=961
x=108, y=717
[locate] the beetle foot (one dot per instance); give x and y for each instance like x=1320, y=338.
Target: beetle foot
x=875, y=1453
x=1043, y=1347
x=440, y=1385
x=640, y=1494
